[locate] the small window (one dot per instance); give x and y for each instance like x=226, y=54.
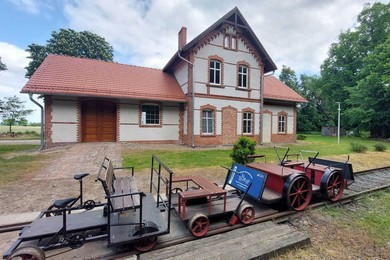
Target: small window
x=215, y=72
x=150, y=115
x=226, y=42
x=207, y=122
x=282, y=124
x=247, y=123
x=242, y=76
x=230, y=42
x=234, y=43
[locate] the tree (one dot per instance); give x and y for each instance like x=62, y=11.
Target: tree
x=13, y=111
x=69, y=42
x=348, y=74
x=313, y=115
x=288, y=77
x=2, y=66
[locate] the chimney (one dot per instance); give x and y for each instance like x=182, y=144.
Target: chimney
x=182, y=37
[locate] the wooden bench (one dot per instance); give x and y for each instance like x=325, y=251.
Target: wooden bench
x=121, y=192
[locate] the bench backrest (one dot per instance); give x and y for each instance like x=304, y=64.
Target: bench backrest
x=108, y=178
x=346, y=167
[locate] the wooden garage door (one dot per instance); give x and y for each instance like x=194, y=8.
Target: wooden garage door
x=99, y=121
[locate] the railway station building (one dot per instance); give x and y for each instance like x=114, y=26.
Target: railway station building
x=215, y=89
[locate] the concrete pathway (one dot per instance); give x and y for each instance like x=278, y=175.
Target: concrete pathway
x=80, y=158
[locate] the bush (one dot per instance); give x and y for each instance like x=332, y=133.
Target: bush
x=380, y=147
x=358, y=148
x=301, y=137
x=241, y=149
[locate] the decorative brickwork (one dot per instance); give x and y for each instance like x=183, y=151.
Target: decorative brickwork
x=229, y=125
x=48, y=122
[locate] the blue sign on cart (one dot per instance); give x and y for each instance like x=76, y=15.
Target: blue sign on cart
x=240, y=177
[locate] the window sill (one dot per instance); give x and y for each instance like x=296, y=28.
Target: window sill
x=243, y=89
x=150, y=126
x=215, y=85
x=248, y=135
x=208, y=135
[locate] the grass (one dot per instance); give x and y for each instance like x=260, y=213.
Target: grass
x=371, y=215
x=15, y=162
x=193, y=158
x=22, y=132
x=20, y=129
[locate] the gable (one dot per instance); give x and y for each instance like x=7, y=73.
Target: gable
x=235, y=19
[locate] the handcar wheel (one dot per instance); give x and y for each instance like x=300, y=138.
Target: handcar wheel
x=89, y=204
x=297, y=191
x=76, y=241
x=332, y=185
x=176, y=190
x=148, y=242
x=246, y=214
x=27, y=252
x=199, y=225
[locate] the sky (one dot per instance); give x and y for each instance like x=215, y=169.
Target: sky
x=295, y=33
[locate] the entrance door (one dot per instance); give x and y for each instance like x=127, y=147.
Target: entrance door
x=99, y=121
x=267, y=127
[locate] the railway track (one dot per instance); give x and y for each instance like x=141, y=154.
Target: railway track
x=365, y=182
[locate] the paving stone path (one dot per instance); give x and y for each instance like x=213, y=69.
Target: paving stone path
x=80, y=158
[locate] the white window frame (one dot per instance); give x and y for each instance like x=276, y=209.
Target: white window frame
x=208, y=121
x=282, y=119
x=145, y=115
x=242, y=75
x=247, y=123
x=214, y=72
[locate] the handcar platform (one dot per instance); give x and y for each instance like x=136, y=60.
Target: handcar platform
x=46, y=227
x=125, y=224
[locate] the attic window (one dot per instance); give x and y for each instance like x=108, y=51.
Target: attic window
x=230, y=42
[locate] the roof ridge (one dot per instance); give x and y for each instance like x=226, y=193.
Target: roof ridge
x=103, y=61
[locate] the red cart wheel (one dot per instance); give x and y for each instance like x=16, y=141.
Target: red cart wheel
x=28, y=252
x=148, y=242
x=332, y=185
x=199, y=225
x=246, y=214
x=297, y=191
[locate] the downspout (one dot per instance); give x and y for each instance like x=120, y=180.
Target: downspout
x=192, y=97
x=42, y=123
x=262, y=106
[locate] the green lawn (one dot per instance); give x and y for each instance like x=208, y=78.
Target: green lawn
x=15, y=161
x=22, y=132
x=193, y=158
x=372, y=216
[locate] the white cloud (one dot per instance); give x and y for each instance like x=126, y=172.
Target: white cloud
x=12, y=80
x=295, y=33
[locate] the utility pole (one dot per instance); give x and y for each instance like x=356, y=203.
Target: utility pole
x=338, y=123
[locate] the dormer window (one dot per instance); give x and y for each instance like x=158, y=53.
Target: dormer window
x=230, y=42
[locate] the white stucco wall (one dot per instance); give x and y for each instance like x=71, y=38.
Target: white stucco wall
x=290, y=117
x=181, y=75
x=129, y=129
x=64, y=119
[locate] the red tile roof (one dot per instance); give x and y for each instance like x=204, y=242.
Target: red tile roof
x=277, y=90
x=64, y=75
